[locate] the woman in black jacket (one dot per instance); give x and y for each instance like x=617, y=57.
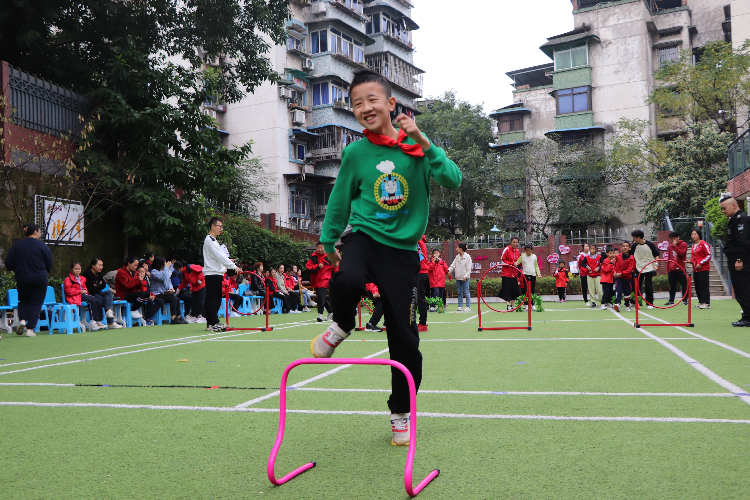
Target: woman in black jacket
x=31, y=260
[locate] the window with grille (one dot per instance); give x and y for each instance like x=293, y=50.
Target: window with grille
x=666, y=55
x=294, y=43
x=510, y=123
x=573, y=100
x=575, y=138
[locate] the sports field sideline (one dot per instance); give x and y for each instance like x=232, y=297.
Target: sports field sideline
x=582, y=406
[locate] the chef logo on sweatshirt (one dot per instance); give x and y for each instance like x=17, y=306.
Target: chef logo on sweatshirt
x=391, y=190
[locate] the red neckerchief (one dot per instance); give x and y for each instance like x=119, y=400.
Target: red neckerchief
x=384, y=140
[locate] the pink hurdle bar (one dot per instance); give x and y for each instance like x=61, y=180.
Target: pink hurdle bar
x=410, y=490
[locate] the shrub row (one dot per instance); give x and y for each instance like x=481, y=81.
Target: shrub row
x=544, y=286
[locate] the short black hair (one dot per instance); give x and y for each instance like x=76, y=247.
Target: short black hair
x=528, y=245
x=148, y=255
x=462, y=246
x=368, y=76
x=697, y=230
x=178, y=265
x=214, y=220
x=725, y=198
x=674, y=234
x=637, y=233
x=159, y=262
x=514, y=238
x=610, y=248
x=129, y=259
x=73, y=264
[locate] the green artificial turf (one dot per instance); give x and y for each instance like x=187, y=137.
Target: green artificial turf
x=122, y=453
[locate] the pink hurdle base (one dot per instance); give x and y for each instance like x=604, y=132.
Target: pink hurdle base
x=410, y=490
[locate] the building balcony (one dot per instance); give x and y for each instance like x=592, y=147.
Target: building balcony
x=298, y=51
x=347, y=57
x=405, y=76
x=568, y=121
x=507, y=138
x=215, y=106
x=343, y=105
x=332, y=141
x=403, y=7
x=351, y=8
x=403, y=40
x=297, y=104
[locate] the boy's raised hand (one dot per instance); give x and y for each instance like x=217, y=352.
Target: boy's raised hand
x=334, y=257
x=410, y=127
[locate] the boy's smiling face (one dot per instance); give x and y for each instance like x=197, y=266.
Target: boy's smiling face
x=372, y=108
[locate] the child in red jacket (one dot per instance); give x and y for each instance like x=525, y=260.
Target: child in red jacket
x=227, y=290
x=195, y=279
x=608, y=276
x=624, y=268
x=377, y=313
x=437, y=270
x=76, y=291
x=561, y=281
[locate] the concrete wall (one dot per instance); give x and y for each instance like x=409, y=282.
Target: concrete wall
x=543, y=107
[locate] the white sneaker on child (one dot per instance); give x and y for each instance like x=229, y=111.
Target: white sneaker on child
x=400, y=428
x=324, y=344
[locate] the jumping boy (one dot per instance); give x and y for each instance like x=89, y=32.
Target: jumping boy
x=383, y=191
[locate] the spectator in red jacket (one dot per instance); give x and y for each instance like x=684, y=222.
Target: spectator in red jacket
x=424, y=283
x=320, y=278
x=561, y=281
x=374, y=294
x=676, y=267
x=76, y=292
x=154, y=303
x=701, y=259
x=274, y=292
x=624, y=268
x=437, y=270
x=128, y=287
x=228, y=290
x=608, y=276
x=593, y=263
x=510, y=289
x=195, y=279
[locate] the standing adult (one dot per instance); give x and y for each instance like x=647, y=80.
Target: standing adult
x=510, y=289
x=320, y=278
x=530, y=266
x=461, y=270
x=96, y=287
x=215, y=265
x=675, y=268
x=700, y=256
x=583, y=272
x=737, y=250
x=31, y=261
x=644, y=251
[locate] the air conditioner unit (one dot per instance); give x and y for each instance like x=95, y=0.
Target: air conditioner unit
x=285, y=93
x=212, y=60
x=308, y=64
x=319, y=8
x=298, y=117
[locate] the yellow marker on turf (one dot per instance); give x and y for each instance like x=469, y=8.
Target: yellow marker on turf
x=182, y=360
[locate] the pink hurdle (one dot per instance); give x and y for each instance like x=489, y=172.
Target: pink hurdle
x=410, y=489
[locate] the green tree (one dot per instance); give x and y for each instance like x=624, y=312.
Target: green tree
x=695, y=170
x=719, y=223
x=713, y=89
x=151, y=139
x=465, y=132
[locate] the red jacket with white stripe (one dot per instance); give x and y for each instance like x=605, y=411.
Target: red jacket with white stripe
x=678, y=254
x=561, y=278
x=593, y=263
x=438, y=270
x=321, y=276
x=582, y=270
x=509, y=257
x=701, y=255
x=608, y=271
x=625, y=266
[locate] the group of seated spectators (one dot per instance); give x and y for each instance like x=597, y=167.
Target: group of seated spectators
x=283, y=285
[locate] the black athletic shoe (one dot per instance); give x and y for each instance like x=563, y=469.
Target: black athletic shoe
x=670, y=303
x=741, y=323
x=371, y=328
x=179, y=321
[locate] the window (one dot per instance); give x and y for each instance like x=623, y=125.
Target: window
x=571, y=57
x=300, y=152
x=339, y=94
x=320, y=94
x=667, y=55
x=359, y=52
x=573, y=100
x=299, y=97
x=319, y=41
x=342, y=43
x=576, y=138
x=510, y=123
x=299, y=206
x=322, y=195
x=294, y=43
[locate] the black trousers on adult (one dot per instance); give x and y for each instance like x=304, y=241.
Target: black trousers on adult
x=321, y=296
x=198, y=303
x=676, y=277
x=30, y=300
x=532, y=281
x=398, y=283
x=138, y=299
x=510, y=290
x=213, y=298
x=377, y=313
x=423, y=292
x=646, y=285
x=741, y=286
x=585, y=288
x=173, y=301
x=702, y=286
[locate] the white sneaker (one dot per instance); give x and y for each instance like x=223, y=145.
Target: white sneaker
x=101, y=325
x=21, y=329
x=313, y=304
x=234, y=315
x=603, y=307
x=650, y=307
x=330, y=317
x=400, y=428
x=200, y=319
x=110, y=314
x=305, y=310
x=468, y=310
x=533, y=308
x=627, y=309
x=324, y=344
x=114, y=325
x=93, y=326
x=29, y=333
x=191, y=319
x=136, y=314
x=459, y=309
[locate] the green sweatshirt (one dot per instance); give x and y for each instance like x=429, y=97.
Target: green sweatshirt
x=385, y=193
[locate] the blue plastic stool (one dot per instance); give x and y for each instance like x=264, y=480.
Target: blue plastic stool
x=65, y=318
x=49, y=302
x=122, y=310
x=277, y=307
x=161, y=317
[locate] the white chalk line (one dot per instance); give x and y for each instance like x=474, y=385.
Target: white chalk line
x=130, y=352
x=535, y=393
x=741, y=394
x=701, y=337
x=459, y=340
x=379, y=413
x=305, y=382
x=41, y=360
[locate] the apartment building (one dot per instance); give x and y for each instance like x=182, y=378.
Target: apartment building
x=603, y=70
x=300, y=124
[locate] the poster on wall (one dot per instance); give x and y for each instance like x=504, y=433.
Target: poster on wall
x=63, y=220
x=573, y=266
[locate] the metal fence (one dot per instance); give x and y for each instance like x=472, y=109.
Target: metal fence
x=739, y=155
x=45, y=107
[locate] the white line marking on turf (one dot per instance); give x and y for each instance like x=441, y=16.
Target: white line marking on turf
x=37, y=383
x=533, y=393
x=378, y=413
x=741, y=394
x=720, y=344
x=471, y=317
x=304, y=382
x=223, y=339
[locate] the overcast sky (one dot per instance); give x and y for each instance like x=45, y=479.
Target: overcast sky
x=468, y=46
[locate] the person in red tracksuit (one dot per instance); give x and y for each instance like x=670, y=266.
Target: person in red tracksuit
x=676, y=267
x=594, y=264
x=583, y=272
x=424, y=283
x=608, y=276
x=437, y=271
x=561, y=281
x=510, y=273
x=624, y=268
x=701, y=259
x=374, y=294
x=322, y=269
x=197, y=281
x=228, y=289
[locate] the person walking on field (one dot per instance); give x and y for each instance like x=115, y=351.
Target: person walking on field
x=583, y=272
x=530, y=266
x=700, y=256
x=644, y=251
x=461, y=270
x=737, y=250
x=676, y=268
x=215, y=265
x=594, y=264
x=31, y=261
x=561, y=281
x=438, y=269
x=510, y=290
x=320, y=279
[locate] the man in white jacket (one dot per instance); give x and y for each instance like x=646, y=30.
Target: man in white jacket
x=215, y=264
x=461, y=270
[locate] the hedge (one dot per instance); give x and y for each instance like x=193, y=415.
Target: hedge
x=544, y=286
